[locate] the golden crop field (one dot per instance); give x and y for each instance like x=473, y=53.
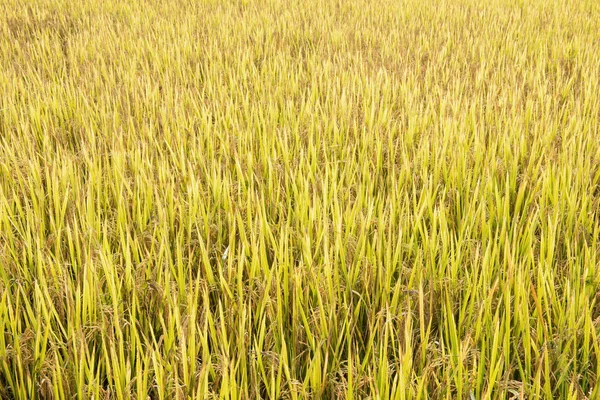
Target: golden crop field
x=285, y=199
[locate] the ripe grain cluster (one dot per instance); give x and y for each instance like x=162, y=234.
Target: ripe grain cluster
x=248, y=199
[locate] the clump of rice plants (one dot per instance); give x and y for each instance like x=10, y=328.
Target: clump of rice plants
x=291, y=199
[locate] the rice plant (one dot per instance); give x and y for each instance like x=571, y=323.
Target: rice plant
x=286, y=199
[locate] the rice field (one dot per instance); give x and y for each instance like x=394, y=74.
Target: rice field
x=284, y=199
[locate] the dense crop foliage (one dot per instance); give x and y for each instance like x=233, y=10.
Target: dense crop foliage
x=299, y=199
